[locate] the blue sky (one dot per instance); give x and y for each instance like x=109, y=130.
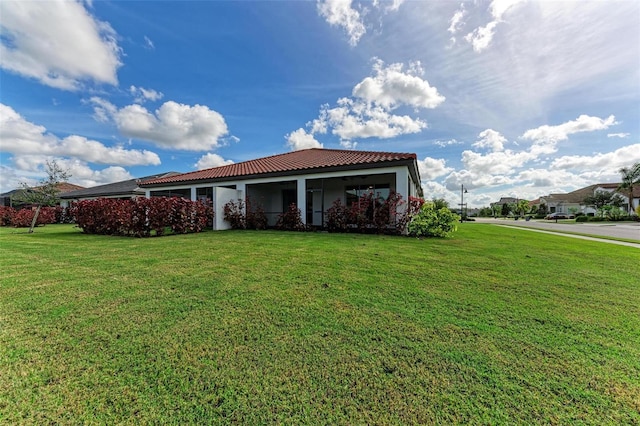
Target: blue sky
x=509, y=98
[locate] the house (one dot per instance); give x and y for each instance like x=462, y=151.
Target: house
x=312, y=179
x=573, y=202
x=7, y=198
x=123, y=190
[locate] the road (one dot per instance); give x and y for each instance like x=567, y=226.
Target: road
x=626, y=230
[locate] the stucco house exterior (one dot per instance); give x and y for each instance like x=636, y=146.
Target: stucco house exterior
x=312, y=179
x=573, y=202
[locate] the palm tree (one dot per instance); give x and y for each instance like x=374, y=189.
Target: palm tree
x=630, y=178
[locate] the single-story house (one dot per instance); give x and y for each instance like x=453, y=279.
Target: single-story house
x=573, y=202
x=312, y=179
x=126, y=189
x=7, y=198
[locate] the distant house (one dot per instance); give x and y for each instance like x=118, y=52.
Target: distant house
x=312, y=179
x=126, y=189
x=574, y=201
x=7, y=199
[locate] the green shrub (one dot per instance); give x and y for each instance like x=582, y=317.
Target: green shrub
x=582, y=219
x=430, y=222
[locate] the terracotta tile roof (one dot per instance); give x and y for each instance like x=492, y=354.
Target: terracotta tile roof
x=307, y=160
x=67, y=187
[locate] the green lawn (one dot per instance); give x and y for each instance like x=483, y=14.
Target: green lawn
x=494, y=326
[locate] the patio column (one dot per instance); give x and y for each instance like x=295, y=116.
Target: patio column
x=302, y=198
x=194, y=196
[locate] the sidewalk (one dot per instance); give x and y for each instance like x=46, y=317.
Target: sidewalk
x=626, y=230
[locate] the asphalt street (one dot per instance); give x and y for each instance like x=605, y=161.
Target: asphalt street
x=626, y=230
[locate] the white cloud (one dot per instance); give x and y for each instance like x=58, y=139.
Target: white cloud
x=610, y=161
x=450, y=142
x=57, y=43
x=618, y=135
x=369, y=112
x=490, y=139
x=172, y=126
x=340, y=13
x=352, y=119
x=456, y=22
x=23, y=138
x=390, y=87
x=431, y=168
x=481, y=37
x=141, y=94
x=350, y=16
x=30, y=169
x=300, y=139
x=148, y=43
x=210, y=160
x=553, y=134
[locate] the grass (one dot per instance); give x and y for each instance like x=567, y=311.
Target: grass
x=494, y=326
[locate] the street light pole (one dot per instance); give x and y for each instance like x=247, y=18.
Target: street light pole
x=462, y=192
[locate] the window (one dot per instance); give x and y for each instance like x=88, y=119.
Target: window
x=184, y=193
x=354, y=192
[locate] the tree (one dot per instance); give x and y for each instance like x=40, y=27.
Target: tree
x=522, y=207
x=600, y=199
x=630, y=178
x=45, y=194
x=506, y=209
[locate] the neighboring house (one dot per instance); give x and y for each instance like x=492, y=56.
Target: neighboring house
x=574, y=201
x=7, y=199
x=126, y=189
x=502, y=202
x=312, y=179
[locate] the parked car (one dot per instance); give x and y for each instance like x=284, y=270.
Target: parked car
x=557, y=215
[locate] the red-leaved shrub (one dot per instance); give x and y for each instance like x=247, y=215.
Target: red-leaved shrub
x=6, y=215
x=141, y=217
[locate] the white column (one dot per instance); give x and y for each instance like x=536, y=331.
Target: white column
x=194, y=197
x=402, y=183
x=302, y=198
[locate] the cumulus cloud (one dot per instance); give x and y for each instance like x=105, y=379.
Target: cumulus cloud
x=58, y=43
x=490, y=139
x=142, y=95
x=23, y=138
x=614, y=160
x=172, y=126
x=481, y=37
x=300, y=139
x=31, y=169
x=210, y=160
x=340, y=13
x=431, y=168
x=561, y=132
x=391, y=87
x=369, y=112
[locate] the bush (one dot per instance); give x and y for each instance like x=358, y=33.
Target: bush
x=430, y=222
x=256, y=218
x=6, y=215
x=141, y=217
x=582, y=219
x=337, y=217
x=23, y=218
x=291, y=220
x=234, y=214
x=243, y=215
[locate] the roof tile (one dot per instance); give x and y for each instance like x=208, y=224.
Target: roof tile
x=307, y=159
